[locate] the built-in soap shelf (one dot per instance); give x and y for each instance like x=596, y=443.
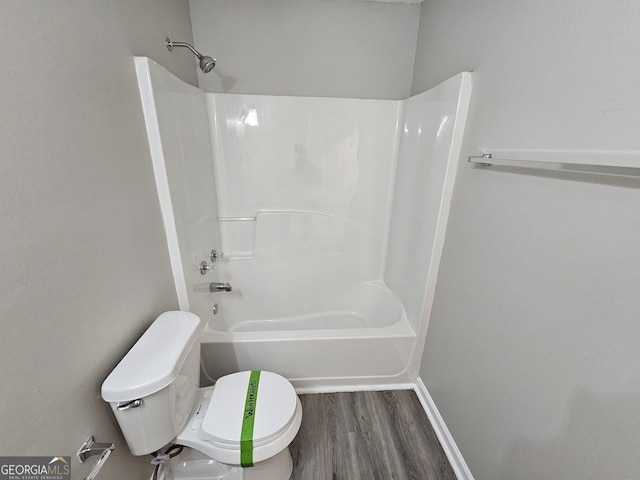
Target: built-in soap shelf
x=238, y=236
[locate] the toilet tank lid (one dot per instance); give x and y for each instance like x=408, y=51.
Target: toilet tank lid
x=156, y=358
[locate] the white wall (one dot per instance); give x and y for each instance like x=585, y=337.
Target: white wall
x=82, y=252
x=532, y=354
x=347, y=48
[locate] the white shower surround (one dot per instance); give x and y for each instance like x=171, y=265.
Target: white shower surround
x=334, y=269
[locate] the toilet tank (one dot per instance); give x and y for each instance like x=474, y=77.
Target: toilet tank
x=152, y=390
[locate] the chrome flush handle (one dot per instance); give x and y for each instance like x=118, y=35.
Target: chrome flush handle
x=132, y=404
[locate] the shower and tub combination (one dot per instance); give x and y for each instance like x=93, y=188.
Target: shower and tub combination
x=305, y=231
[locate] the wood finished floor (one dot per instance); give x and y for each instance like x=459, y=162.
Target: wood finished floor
x=367, y=436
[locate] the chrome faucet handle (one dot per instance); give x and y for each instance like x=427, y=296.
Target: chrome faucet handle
x=204, y=267
x=214, y=255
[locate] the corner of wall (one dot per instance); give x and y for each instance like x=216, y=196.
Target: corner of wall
x=447, y=442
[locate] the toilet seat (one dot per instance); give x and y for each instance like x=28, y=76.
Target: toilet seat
x=275, y=410
x=215, y=426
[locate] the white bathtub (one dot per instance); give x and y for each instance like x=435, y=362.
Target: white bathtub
x=358, y=337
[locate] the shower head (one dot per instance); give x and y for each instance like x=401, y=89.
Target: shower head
x=206, y=63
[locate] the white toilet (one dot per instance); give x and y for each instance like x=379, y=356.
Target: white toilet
x=246, y=420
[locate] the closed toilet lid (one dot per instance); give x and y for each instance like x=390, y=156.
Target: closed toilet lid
x=274, y=409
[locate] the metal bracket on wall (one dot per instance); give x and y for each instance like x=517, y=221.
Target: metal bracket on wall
x=91, y=448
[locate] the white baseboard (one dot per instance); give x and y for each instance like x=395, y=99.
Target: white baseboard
x=458, y=464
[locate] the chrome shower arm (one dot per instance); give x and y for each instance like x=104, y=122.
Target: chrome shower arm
x=171, y=44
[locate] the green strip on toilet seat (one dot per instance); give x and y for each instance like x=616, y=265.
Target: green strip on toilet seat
x=246, y=435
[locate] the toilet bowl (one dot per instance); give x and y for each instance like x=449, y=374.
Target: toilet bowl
x=246, y=420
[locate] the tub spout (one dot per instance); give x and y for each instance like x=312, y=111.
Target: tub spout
x=219, y=287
